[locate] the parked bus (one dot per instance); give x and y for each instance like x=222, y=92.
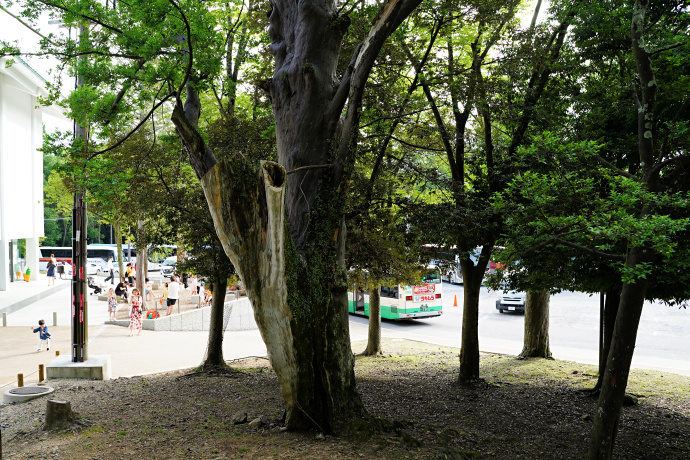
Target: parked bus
x=153, y=265
x=95, y=254
x=403, y=302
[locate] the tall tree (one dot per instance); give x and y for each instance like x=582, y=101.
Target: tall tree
x=662, y=169
x=505, y=95
x=628, y=179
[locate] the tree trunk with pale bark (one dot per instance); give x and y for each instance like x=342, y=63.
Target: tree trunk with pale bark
x=374, y=337
x=536, y=340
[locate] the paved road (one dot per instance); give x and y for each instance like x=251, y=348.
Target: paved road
x=663, y=339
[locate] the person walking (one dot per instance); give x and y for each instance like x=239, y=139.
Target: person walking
x=51, y=270
x=42, y=329
x=111, y=275
x=112, y=304
x=135, y=313
x=173, y=293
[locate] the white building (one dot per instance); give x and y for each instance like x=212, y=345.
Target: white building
x=21, y=169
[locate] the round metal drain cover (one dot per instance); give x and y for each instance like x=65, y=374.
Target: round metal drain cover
x=30, y=390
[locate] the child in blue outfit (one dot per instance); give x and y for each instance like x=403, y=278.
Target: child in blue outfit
x=42, y=329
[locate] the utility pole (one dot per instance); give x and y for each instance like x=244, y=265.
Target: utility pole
x=79, y=247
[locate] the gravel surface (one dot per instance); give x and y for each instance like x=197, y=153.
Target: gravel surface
x=531, y=409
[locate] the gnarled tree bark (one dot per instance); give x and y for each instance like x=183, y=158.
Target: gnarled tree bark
x=283, y=228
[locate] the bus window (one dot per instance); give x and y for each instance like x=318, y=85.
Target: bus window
x=431, y=278
x=390, y=292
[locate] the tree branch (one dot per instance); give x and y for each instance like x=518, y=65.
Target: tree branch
x=189, y=48
x=28, y=26
x=338, y=102
x=139, y=125
x=665, y=163
x=666, y=48
x=88, y=18
x=615, y=168
x=393, y=13
x=555, y=240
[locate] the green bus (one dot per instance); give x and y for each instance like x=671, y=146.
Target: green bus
x=403, y=302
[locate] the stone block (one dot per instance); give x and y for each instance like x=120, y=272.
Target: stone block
x=97, y=367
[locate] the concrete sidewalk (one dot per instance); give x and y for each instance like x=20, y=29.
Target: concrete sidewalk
x=151, y=352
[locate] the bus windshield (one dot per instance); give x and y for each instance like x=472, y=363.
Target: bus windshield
x=431, y=278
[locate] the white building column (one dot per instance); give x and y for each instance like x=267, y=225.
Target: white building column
x=4, y=265
x=4, y=243
x=32, y=255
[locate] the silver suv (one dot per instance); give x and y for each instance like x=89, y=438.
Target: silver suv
x=511, y=301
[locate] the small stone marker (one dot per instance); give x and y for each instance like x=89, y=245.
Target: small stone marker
x=59, y=415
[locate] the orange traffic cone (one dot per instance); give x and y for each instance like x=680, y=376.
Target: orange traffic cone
x=455, y=301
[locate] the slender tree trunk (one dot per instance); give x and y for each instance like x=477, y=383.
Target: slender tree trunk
x=64, y=232
x=214, y=347
x=613, y=298
x=618, y=362
x=120, y=258
x=141, y=263
x=469, y=351
x=374, y=338
x=536, y=341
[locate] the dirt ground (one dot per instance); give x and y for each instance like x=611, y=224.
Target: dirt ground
x=532, y=409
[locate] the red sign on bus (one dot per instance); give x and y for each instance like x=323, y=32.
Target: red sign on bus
x=423, y=289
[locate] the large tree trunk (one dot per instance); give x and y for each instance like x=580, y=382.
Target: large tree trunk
x=374, y=338
x=285, y=232
x=536, y=340
x=214, y=347
x=613, y=298
x=618, y=361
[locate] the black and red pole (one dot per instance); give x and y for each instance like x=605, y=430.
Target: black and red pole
x=79, y=274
